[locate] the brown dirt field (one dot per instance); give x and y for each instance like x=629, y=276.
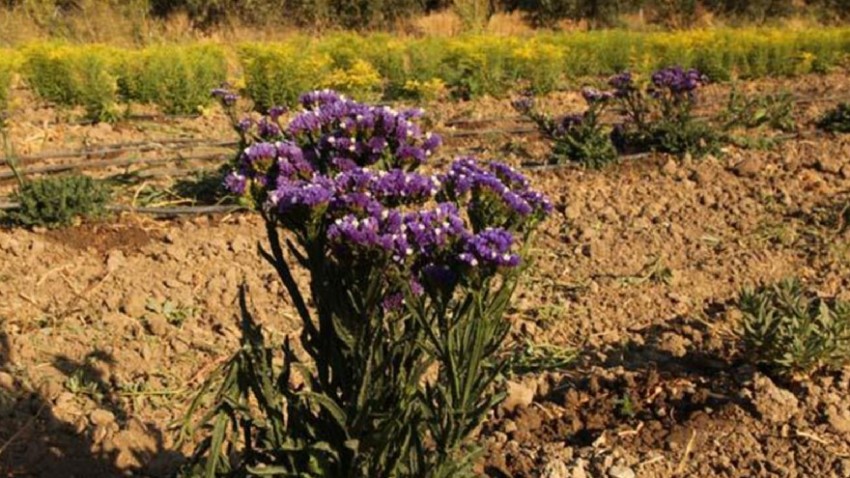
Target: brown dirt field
x=107, y=330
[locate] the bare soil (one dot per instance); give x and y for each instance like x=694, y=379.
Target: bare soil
x=107, y=330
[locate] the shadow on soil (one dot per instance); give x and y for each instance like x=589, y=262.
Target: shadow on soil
x=34, y=442
x=670, y=373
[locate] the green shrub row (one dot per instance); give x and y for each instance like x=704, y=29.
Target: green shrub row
x=178, y=78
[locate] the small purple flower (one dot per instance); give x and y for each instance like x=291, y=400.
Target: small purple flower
x=523, y=104
x=311, y=195
x=227, y=97
x=235, y=183
x=594, y=96
x=432, y=231
x=245, y=125
x=678, y=81
x=399, y=187
x=491, y=247
x=623, y=84
x=319, y=98
x=276, y=112
x=268, y=129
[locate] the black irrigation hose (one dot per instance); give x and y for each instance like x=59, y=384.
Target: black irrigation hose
x=59, y=168
x=157, y=211
x=142, y=146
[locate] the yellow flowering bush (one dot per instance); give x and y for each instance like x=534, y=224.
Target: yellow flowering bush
x=8, y=65
x=74, y=76
x=361, y=80
x=276, y=74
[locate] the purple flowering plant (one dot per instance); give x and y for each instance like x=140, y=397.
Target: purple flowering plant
x=580, y=138
x=408, y=272
x=660, y=116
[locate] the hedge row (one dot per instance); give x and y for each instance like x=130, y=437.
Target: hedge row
x=178, y=78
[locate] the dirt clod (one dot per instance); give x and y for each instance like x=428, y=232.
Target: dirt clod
x=773, y=403
x=519, y=395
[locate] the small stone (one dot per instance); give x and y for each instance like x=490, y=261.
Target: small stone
x=133, y=305
x=619, y=471
x=510, y=426
x=556, y=469
x=830, y=164
x=839, y=420
x=6, y=381
x=749, y=168
x=115, y=260
x=102, y=418
x=845, y=171
x=701, y=176
x=572, y=212
x=579, y=470
x=240, y=244
x=774, y=404
x=670, y=167
x=157, y=325
x=518, y=396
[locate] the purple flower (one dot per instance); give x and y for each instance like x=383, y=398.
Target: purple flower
x=245, y=125
x=678, y=81
x=302, y=194
x=320, y=98
x=227, y=97
x=431, y=232
x=593, y=96
x=509, y=175
x=276, y=112
x=399, y=187
x=569, y=123
x=623, y=84
x=268, y=129
x=523, y=104
x=491, y=247
x=382, y=233
x=235, y=183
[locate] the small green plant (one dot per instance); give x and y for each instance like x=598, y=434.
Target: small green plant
x=532, y=357
x=59, y=201
x=579, y=138
x=775, y=111
x=173, y=313
x=790, y=330
x=836, y=120
x=626, y=406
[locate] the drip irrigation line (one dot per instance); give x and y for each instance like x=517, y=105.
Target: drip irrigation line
x=105, y=163
x=118, y=148
x=157, y=211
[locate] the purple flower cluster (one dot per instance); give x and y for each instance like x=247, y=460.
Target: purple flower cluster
x=225, y=95
x=593, y=96
x=524, y=104
x=490, y=248
x=623, y=84
x=341, y=174
x=497, y=183
x=678, y=81
x=568, y=123
x=344, y=133
x=302, y=194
